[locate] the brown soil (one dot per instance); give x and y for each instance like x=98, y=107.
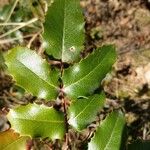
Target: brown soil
x=126, y=24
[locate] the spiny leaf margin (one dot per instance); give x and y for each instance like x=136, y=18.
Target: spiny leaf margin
x=32, y=73
x=83, y=111
x=37, y=121
x=109, y=134
x=63, y=30
x=84, y=78
x=9, y=140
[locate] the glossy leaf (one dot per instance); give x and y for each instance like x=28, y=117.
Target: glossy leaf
x=9, y=140
x=83, y=78
x=83, y=111
x=109, y=134
x=32, y=73
x=37, y=121
x=139, y=145
x=63, y=30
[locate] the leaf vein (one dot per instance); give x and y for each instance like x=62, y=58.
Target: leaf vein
x=111, y=135
x=46, y=121
x=84, y=109
x=37, y=75
x=88, y=73
x=63, y=36
x=13, y=142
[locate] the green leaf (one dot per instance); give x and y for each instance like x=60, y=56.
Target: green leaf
x=37, y=121
x=83, y=78
x=4, y=11
x=83, y=111
x=63, y=30
x=139, y=145
x=32, y=73
x=109, y=134
x=36, y=8
x=12, y=141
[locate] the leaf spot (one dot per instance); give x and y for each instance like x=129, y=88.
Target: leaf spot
x=72, y=49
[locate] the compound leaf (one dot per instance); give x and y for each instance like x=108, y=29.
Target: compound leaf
x=37, y=121
x=83, y=111
x=109, y=134
x=83, y=78
x=63, y=30
x=32, y=73
x=9, y=140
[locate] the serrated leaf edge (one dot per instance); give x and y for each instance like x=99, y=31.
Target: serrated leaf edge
x=101, y=125
x=88, y=73
x=112, y=133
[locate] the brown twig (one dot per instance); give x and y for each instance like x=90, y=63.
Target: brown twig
x=64, y=104
x=29, y=145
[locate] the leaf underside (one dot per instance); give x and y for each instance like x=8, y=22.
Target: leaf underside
x=83, y=111
x=32, y=73
x=63, y=30
x=109, y=134
x=37, y=121
x=83, y=78
x=9, y=140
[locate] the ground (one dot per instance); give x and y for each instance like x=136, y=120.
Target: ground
x=126, y=24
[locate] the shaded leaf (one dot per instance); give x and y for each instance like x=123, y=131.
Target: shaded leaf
x=4, y=11
x=63, y=30
x=36, y=6
x=139, y=145
x=109, y=134
x=83, y=111
x=32, y=73
x=83, y=78
x=37, y=121
x=9, y=140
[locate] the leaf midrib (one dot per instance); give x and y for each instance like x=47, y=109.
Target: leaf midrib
x=45, y=121
x=84, y=109
x=63, y=36
x=37, y=75
x=9, y=144
x=111, y=134
x=89, y=72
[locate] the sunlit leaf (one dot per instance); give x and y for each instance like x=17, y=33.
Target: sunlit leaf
x=32, y=73
x=9, y=140
x=83, y=111
x=63, y=30
x=83, y=78
x=37, y=121
x=109, y=134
